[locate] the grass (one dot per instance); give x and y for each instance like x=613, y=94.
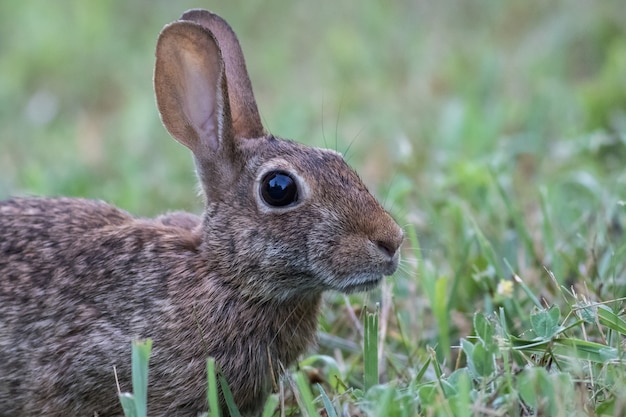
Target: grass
x=494, y=131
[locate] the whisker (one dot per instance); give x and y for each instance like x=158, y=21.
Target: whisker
x=285, y=321
x=353, y=317
x=265, y=123
x=388, y=189
x=323, y=129
x=345, y=153
x=337, y=121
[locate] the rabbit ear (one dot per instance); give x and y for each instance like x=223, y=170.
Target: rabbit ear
x=245, y=115
x=187, y=81
x=192, y=97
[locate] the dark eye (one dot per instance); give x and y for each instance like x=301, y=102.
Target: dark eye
x=278, y=189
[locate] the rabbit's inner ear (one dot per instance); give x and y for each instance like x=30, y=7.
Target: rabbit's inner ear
x=199, y=101
x=189, y=86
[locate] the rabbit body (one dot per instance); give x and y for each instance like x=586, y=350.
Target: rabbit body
x=64, y=326
x=81, y=279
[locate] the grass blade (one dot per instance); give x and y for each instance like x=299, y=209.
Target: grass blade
x=611, y=320
x=212, y=392
x=140, y=358
x=370, y=350
x=328, y=405
x=305, y=399
x=228, y=397
x=128, y=404
x=270, y=406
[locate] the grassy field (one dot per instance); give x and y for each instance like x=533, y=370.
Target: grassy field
x=494, y=131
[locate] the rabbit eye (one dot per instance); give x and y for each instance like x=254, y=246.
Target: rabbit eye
x=278, y=189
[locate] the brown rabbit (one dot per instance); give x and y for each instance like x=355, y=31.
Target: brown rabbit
x=80, y=279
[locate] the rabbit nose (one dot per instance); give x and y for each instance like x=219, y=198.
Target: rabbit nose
x=386, y=248
x=390, y=244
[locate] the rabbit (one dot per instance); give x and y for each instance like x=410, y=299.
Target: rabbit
x=283, y=223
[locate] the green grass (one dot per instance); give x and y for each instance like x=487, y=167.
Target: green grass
x=135, y=404
x=494, y=131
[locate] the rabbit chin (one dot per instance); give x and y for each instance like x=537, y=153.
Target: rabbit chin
x=359, y=283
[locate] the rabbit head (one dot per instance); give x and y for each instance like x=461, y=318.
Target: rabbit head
x=294, y=219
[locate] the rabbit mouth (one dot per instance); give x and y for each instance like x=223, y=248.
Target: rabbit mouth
x=361, y=283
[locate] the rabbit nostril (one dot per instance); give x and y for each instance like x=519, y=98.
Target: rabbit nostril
x=388, y=248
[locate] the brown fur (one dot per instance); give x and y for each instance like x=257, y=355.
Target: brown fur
x=80, y=279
